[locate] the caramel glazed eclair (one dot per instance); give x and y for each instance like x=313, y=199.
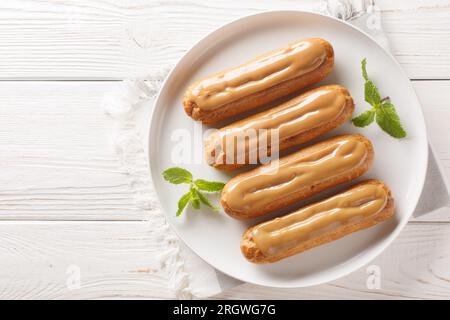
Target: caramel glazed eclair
x=297, y=176
x=360, y=207
x=296, y=121
x=268, y=77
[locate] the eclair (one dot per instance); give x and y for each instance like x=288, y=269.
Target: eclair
x=268, y=77
x=294, y=122
x=297, y=176
x=358, y=208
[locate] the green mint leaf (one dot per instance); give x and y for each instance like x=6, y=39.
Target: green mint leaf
x=383, y=111
x=371, y=94
x=195, y=199
x=182, y=203
x=195, y=203
x=364, y=119
x=364, y=70
x=206, y=201
x=388, y=119
x=177, y=175
x=210, y=186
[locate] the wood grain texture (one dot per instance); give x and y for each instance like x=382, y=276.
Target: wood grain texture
x=434, y=97
x=38, y=259
x=57, y=156
x=405, y=5
x=59, y=162
x=417, y=41
x=415, y=266
x=41, y=260
x=113, y=39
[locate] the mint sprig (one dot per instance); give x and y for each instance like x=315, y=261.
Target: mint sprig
x=382, y=111
x=177, y=175
x=195, y=195
x=182, y=203
x=209, y=186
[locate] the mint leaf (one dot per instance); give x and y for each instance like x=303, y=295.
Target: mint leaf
x=182, y=203
x=371, y=94
x=195, y=199
x=177, y=175
x=388, y=119
x=195, y=203
x=206, y=201
x=364, y=119
x=364, y=70
x=210, y=186
x=382, y=110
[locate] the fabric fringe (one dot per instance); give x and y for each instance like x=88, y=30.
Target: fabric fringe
x=346, y=10
x=121, y=105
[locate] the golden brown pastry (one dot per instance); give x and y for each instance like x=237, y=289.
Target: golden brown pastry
x=259, y=81
x=294, y=122
x=297, y=176
x=360, y=207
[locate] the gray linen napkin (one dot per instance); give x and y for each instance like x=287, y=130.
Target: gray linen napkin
x=435, y=194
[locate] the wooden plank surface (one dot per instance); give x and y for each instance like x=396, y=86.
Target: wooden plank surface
x=112, y=39
x=96, y=260
x=59, y=162
x=41, y=260
x=57, y=154
x=409, y=269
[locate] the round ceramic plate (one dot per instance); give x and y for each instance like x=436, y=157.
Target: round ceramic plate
x=175, y=140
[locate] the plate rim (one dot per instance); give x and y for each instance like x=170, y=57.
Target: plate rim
x=332, y=276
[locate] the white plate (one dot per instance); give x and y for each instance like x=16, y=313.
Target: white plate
x=400, y=163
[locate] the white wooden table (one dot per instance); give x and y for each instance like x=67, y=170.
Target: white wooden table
x=64, y=201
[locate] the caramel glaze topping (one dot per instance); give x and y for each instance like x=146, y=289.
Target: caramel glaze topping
x=259, y=74
x=298, y=115
x=257, y=188
x=320, y=218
